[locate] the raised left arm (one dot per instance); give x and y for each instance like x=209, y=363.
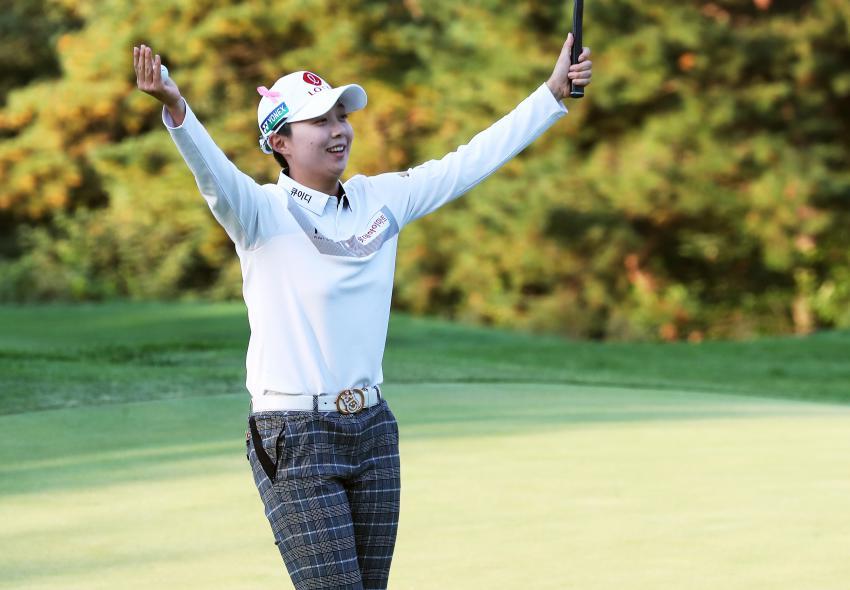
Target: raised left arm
x=426, y=187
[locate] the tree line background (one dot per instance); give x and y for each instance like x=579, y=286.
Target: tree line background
x=700, y=189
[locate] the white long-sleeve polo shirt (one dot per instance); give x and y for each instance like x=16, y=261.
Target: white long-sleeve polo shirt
x=317, y=277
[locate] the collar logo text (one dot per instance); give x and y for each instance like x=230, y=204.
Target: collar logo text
x=299, y=194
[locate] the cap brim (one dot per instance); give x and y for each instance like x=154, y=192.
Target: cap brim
x=353, y=98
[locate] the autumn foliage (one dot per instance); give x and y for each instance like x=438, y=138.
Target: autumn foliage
x=701, y=189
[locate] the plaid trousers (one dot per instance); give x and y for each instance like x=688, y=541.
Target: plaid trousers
x=333, y=497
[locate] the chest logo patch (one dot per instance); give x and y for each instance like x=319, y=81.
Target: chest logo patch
x=377, y=225
x=381, y=227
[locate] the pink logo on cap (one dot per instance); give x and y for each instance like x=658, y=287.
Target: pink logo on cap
x=265, y=92
x=312, y=78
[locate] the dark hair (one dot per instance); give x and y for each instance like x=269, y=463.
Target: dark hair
x=286, y=131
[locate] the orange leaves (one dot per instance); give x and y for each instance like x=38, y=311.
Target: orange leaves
x=715, y=12
x=687, y=61
x=641, y=280
x=414, y=7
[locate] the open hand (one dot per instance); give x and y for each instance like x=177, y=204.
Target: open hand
x=565, y=72
x=149, y=79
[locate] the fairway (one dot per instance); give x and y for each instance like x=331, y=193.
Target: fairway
x=504, y=486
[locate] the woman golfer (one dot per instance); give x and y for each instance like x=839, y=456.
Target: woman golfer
x=317, y=260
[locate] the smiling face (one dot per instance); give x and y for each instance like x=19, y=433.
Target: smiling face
x=318, y=149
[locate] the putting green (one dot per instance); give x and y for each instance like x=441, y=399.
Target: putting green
x=504, y=486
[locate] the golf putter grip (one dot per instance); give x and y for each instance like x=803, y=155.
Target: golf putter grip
x=578, y=9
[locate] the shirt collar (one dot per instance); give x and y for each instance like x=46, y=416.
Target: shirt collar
x=309, y=198
x=346, y=202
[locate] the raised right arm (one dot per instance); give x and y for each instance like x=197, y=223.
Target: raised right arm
x=234, y=198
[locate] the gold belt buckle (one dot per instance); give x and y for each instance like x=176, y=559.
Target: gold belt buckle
x=350, y=401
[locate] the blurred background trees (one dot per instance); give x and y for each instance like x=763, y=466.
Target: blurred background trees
x=701, y=188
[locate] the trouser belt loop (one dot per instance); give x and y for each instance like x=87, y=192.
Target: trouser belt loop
x=262, y=456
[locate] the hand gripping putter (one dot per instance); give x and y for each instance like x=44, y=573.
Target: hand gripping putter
x=578, y=9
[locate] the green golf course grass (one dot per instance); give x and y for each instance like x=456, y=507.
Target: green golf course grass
x=528, y=461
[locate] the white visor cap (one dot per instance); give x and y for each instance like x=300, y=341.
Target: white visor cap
x=300, y=96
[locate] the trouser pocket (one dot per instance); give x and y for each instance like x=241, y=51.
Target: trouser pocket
x=266, y=462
